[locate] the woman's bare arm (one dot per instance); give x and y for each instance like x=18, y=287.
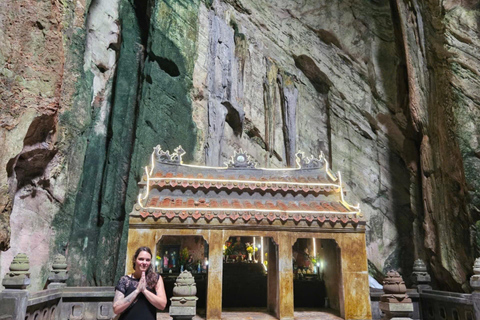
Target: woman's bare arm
x=120, y=302
x=159, y=300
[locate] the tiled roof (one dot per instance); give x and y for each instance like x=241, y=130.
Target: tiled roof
x=167, y=203
x=246, y=210
x=240, y=191
x=305, y=184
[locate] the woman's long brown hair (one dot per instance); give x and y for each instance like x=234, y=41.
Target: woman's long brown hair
x=150, y=275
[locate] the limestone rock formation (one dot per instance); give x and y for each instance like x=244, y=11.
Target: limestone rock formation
x=387, y=90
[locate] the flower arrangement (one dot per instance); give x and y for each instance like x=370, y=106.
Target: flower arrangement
x=228, y=248
x=250, y=248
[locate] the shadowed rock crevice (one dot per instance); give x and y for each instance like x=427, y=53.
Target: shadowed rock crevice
x=309, y=68
x=143, y=12
x=166, y=65
x=237, y=5
x=42, y=129
x=32, y=164
x=38, y=151
x=327, y=37
x=234, y=118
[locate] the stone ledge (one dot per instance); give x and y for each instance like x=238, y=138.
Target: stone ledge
x=88, y=292
x=43, y=296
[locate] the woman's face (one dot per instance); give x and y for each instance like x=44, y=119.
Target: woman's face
x=143, y=261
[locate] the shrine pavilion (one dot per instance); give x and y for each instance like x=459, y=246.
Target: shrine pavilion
x=276, y=210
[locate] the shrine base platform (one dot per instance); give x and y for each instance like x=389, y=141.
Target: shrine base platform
x=259, y=314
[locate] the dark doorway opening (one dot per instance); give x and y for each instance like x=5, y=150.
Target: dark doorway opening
x=244, y=282
x=317, y=275
x=175, y=254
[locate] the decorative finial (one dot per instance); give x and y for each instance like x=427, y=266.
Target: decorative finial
x=241, y=160
x=184, y=302
x=19, y=275
x=309, y=162
x=476, y=266
x=185, y=285
x=394, y=286
x=395, y=303
x=475, y=279
x=420, y=277
x=58, y=274
x=166, y=157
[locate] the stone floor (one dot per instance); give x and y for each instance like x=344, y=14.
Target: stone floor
x=258, y=314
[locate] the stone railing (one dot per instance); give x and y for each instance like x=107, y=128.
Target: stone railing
x=396, y=302
x=56, y=302
x=447, y=305
x=43, y=304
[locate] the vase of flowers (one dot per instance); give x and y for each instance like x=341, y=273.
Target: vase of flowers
x=250, y=250
x=228, y=251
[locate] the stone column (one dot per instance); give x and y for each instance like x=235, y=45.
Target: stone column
x=272, y=278
x=395, y=303
x=475, y=284
x=355, y=300
x=215, y=274
x=420, y=277
x=285, y=277
x=13, y=300
x=58, y=274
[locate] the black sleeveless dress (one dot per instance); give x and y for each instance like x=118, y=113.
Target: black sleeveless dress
x=141, y=308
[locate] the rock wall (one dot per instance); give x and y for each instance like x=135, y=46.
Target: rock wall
x=388, y=91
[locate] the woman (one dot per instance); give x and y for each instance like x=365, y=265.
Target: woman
x=139, y=295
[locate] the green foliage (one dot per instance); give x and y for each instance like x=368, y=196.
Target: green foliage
x=183, y=256
x=228, y=248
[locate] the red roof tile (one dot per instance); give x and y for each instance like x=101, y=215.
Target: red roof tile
x=247, y=206
x=274, y=183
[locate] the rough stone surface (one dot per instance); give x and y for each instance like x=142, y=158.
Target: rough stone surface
x=388, y=91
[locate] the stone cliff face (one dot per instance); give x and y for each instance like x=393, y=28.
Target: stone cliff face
x=388, y=91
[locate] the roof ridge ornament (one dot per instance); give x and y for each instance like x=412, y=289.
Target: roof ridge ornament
x=241, y=160
x=166, y=157
x=310, y=162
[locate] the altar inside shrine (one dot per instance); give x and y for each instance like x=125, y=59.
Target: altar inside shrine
x=291, y=227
